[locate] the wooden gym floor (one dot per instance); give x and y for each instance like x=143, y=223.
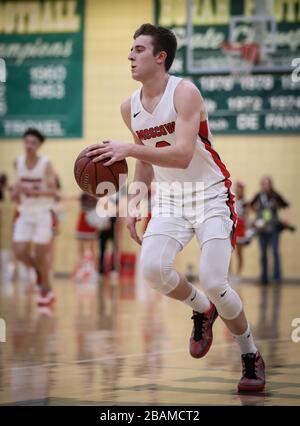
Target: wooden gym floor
x=111, y=344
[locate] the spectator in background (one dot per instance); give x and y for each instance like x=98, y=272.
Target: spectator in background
x=111, y=232
x=106, y=235
x=241, y=209
x=266, y=204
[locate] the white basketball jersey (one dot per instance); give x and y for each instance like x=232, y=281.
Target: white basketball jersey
x=34, y=178
x=157, y=129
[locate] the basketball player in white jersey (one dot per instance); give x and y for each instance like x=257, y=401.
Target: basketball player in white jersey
x=34, y=192
x=169, y=123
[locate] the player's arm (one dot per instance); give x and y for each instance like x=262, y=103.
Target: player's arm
x=189, y=106
x=143, y=170
x=16, y=188
x=253, y=205
x=52, y=190
x=285, y=205
x=143, y=173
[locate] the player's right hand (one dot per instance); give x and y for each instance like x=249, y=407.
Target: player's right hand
x=131, y=226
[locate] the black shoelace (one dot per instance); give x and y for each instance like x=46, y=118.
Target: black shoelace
x=199, y=323
x=249, y=366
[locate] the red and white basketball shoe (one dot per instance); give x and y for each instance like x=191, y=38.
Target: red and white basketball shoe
x=253, y=378
x=46, y=298
x=202, y=337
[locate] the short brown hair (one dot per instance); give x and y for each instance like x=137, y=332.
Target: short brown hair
x=162, y=40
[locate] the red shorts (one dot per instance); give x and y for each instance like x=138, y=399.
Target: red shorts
x=84, y=231
x=240, y=230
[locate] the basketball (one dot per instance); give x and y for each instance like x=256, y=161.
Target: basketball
x=88, y=174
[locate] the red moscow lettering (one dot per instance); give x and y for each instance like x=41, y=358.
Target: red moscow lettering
x=157, y=131
x=140, y=134
x=170, y=127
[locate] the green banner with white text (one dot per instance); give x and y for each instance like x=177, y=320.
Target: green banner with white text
x=41, y=44
x=264, y=101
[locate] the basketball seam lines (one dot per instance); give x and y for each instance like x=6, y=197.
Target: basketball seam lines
x=115, y=179
x=79, y=180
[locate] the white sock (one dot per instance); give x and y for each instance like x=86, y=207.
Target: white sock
x=246, y=342
x=197, y=300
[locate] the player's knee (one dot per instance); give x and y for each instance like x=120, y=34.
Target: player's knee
x=216, y=292
x=159, y=275
x=229, y=304
x=40, y=256
x=20, y=253
x=212, y=281
x=219, y=292
x=150, y=270
x=226, y=300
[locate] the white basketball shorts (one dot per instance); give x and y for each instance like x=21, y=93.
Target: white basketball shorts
x=33, y=227
x=179, y=228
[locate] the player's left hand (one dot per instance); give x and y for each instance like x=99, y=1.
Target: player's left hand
x=115, y=151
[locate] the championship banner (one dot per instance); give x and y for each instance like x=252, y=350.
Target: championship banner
x=41, y=44
x=263, y=99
